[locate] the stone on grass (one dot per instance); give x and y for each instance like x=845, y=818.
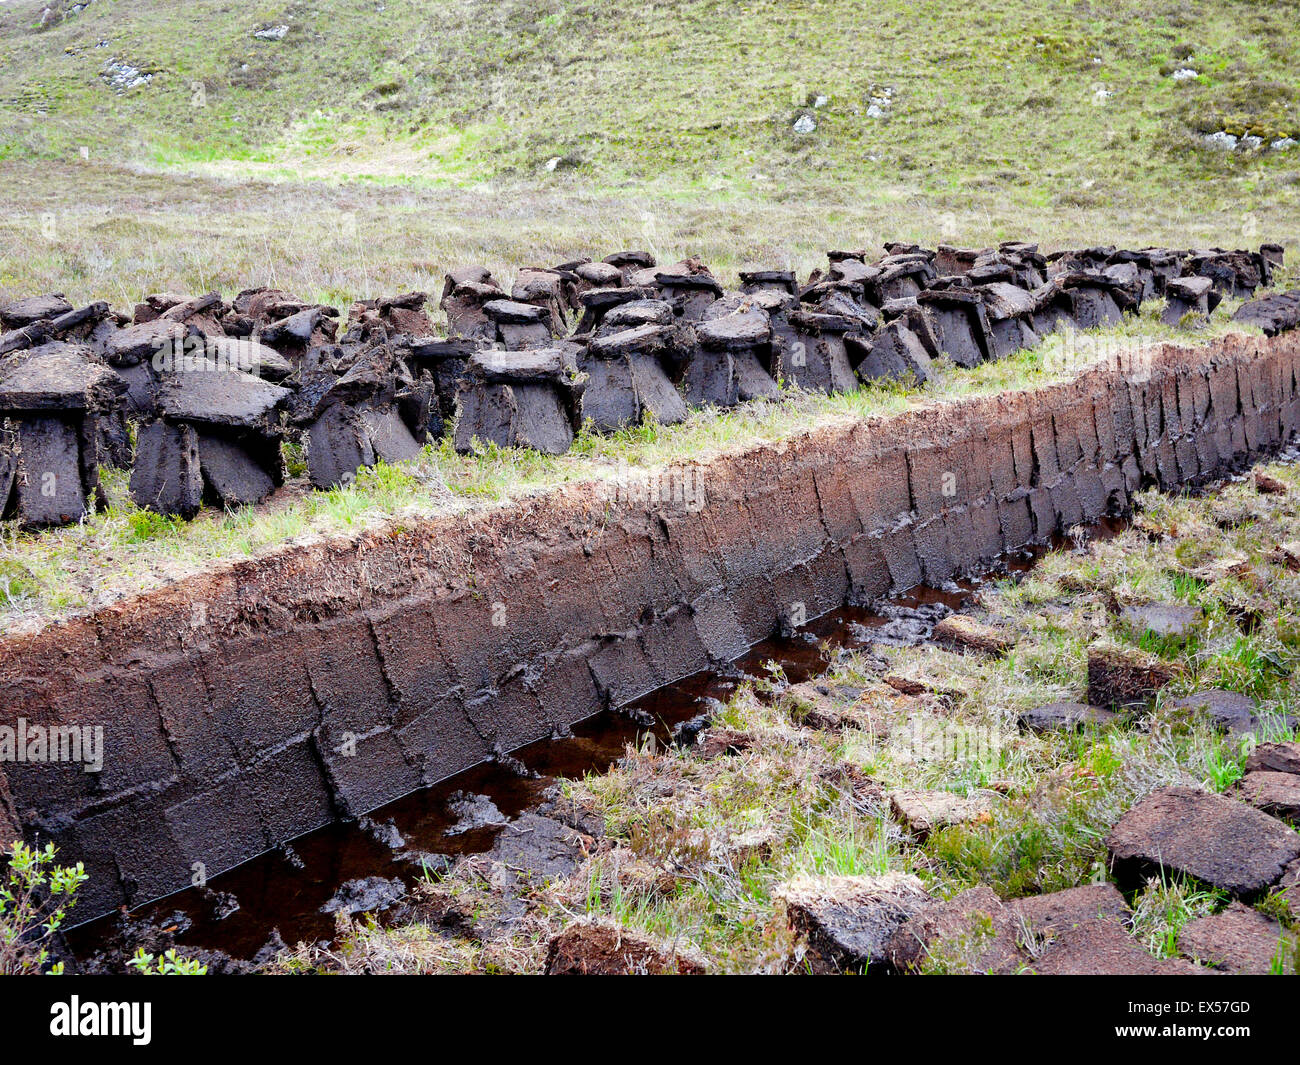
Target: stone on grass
x=1065, y=717
x=1118, y=677
x=846, y=922
x=1238, y=940
x=603, y=948
x=1179, y=830
x=923, y=812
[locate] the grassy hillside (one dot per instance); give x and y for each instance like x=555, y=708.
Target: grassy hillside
x=148, y=144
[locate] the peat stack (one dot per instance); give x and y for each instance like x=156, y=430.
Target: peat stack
x=215, y=435
x=628, y=376
x=739, y=327
x=519, y=399
x=463, y=294
x=1273, y=314
x=1192, y=295
x=51, y=397
x=960, y=324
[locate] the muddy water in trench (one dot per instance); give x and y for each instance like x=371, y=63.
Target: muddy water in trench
x=284, y=890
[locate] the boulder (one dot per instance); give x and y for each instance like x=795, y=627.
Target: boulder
x=1185, y=831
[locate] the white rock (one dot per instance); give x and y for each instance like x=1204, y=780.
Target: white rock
x=553, y=162
x=1223, y=141
x=874, y=111
x=804, y=124
x=1251, y=142
x=821, y=101
x=271, y=33
x=1283, y=144
x=1185, y=74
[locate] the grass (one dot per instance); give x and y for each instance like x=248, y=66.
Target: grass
x=697, y=849
x=370, y=150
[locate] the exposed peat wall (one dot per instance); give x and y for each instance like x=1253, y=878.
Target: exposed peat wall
x=246, y=706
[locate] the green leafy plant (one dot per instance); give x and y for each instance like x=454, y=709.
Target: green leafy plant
x=168, y=964
x=35, y=897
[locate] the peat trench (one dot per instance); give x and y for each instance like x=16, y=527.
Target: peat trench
x=292, y=893
x=228, y=700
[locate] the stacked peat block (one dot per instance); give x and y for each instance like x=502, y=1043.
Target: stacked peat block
x=1010, y=311
x=51, y=398
x=352, y=404
x=1096, y=298
x=629, y=371
x=959, y=322
x=463, y=295
x=895, y=352
x=810, y=345
x=687, y=285
x=1235, y=274
x=1193, y=295
x=519, y=326
x=1273, y=314
x=1156, y=267
x=402, y=315
x=440, y=363
x=779, y=281
x=213, y=435
x=734, y=352
x=520, y=399
x=32, y=322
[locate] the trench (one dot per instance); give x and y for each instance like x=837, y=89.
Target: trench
x=280, y=894
x=223, y=727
